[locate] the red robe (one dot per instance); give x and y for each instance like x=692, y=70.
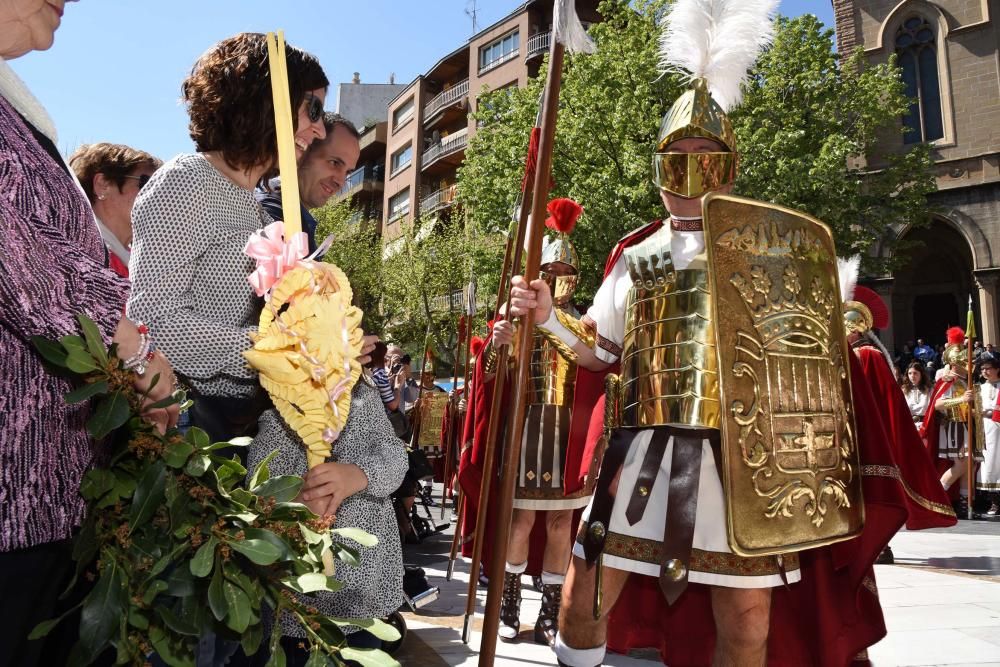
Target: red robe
x=930, y=432
x=926, y=500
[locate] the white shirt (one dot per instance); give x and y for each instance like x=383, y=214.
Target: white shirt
x=608, y=310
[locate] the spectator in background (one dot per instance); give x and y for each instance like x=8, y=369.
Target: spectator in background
x=916, y=388
x=322, y=172
x=53, y=269
x=389, y=393
x=988, y=480
x=924, y=352
x=111, y=176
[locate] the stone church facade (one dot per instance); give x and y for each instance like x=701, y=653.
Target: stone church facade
x=949, y=52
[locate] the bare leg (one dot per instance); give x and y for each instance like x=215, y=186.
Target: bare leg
x=521, y=522
x=954, y=473
x=559, y=542
x=577, y=626
x=742, y=619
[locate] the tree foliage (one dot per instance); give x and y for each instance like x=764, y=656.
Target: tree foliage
x=807, y=114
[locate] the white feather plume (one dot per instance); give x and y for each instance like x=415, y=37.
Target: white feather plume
x=847, y=271
x=567, y=29
x=716, y=40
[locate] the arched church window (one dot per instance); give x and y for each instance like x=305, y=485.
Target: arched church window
x=917, y=51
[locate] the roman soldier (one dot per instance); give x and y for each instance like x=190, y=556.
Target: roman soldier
x=944, y=428
x=540, y=483
x=729, y=445
x=926, y=502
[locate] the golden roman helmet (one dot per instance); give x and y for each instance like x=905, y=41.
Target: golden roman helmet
x=955, y=354
x=560, y=263
x=713, y=43
x=689, y=175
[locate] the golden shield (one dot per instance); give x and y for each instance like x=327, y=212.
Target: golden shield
x=789, y=450
x=432, y=408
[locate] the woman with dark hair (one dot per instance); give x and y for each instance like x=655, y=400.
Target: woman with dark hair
x=111, y=176
x=53, y=269
x=917, y=389
x=194, y=217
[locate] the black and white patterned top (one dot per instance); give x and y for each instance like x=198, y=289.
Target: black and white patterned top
x=374, y=588
x=189, y=274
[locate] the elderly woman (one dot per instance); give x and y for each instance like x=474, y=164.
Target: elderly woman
x=53, y=269
x=192, y=221
x=112, y=175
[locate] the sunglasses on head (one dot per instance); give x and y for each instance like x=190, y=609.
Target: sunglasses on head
x=315, y=108
x=143, y=179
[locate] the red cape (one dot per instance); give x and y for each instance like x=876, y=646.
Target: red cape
x=470, y=468
x=926, y=500
x=929, y=431
x=827, y=618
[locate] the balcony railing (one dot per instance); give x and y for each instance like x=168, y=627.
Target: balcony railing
x=438, y=200
x=365, y=178
x=358, y=217
x=446, y=98
x=493, y=64
x=447, y=146
x=538, y=44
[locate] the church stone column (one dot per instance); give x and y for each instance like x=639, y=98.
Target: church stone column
x=987, y=283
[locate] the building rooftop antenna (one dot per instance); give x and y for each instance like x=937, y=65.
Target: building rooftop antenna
x=472, y=11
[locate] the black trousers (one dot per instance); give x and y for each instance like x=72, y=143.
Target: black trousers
x=31, y=581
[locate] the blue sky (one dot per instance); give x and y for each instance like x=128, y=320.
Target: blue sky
x=115, y=70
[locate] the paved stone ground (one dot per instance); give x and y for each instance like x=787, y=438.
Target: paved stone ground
x=941, y=601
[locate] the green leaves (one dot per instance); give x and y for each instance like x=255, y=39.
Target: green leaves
x=102, y=610
x=363, y=538
x=201, y=564
x=239, y=615
x=86, y=391
x=111, y=412
x=283, y=489
x=148, y=495
x=258, y=551
x=176, y=454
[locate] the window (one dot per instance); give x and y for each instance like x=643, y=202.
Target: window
x=917, y=53
x=402, y=114
x=498, y=52
x=399, y=205
x=401, y=158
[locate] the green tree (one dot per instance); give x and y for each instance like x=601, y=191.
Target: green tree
x=357, y=250
x=806, y=113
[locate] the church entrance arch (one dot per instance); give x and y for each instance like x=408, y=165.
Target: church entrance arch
x=931, y=290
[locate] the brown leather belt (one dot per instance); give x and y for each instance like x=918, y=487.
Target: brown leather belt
x=600, y=511
x=682, y=509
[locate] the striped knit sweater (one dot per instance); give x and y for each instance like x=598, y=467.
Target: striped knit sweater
x=52, y=266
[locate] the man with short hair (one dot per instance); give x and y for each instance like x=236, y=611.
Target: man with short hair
x=923, y=351
x=322, y=173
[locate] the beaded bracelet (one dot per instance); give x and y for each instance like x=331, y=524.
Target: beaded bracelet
x=137, y=362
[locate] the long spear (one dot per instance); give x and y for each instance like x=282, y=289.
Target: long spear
x=566, y=32
x=970, y=333
x=511, y=259
x=449, y=444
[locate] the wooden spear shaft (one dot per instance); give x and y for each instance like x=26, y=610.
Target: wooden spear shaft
x=449, y=450
x=970, y=424
x=511, y=260
x=526, y=330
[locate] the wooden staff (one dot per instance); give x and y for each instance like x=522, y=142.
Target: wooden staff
x=515, y=430
x=449, y=445
x=453, y=555
x=511, y=261
x=972, y=416
x=414, y=436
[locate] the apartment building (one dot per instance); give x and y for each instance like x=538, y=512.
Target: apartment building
x=949, y=53
x=428, y=122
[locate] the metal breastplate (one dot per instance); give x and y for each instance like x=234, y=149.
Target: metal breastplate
x=669, y=372
x=552, y=375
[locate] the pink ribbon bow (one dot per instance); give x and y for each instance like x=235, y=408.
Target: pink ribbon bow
x=274, y=255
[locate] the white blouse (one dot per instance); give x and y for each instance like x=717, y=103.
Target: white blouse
x=916, y=400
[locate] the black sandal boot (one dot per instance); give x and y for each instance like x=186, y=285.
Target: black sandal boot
x=548, y=615
x=510, y=608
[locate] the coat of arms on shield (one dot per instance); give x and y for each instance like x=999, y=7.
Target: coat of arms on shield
x=789, y=448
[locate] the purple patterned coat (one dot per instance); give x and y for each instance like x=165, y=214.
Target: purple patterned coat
x=51, y=268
